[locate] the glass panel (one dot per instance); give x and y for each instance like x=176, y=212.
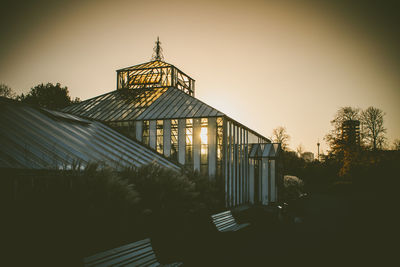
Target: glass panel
x=146, y=133
x=174, y=140
x=189, y=142
x=118, y=105
x=204, y=146
x=127, y=128
x=220, y=131
x=160, y=136
x=253, y=139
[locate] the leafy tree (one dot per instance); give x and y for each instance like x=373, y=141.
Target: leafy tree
x=48, y=96
x=6, y=91
x=345, y=152
x=373, y=130
x=280, y=135
x=334, y=137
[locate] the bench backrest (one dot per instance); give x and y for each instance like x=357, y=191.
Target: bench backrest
x=139, y=253
x=223, y=220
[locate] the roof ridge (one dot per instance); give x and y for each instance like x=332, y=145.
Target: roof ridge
x=137, y=66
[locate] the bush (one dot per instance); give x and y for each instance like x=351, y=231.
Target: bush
x=62, y=216
x=210, y=198
x=177, y=206
x=72, y=214
x=162, y=191
x=293, y=187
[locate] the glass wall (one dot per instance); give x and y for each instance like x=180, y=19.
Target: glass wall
x=221, y=148
x=236, y=160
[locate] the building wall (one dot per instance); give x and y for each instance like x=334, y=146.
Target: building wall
x=199, y=133
x=239, y=185
x=219, y=146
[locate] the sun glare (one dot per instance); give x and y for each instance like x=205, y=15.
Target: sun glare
x=204, y=135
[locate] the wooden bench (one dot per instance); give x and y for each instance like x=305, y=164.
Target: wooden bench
x=225, y=222
x=139, y=253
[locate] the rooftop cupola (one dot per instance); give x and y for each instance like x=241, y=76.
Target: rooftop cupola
x=154, y=74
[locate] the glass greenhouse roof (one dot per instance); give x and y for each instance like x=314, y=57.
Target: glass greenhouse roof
x=143, y=104
x=148, y=65
x=154, y=74
x=119, y=105
x=37, y=138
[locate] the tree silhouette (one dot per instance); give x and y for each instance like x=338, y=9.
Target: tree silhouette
x=6, y=91
x=280, y=135
x=396, y=144
x=300, y=150
x=334, y=137
x=48, y=96
x=373, y=130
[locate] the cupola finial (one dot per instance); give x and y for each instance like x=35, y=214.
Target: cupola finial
x=157, y=51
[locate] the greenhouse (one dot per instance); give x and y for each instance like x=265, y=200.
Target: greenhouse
x=38, y=138
x=154, y=104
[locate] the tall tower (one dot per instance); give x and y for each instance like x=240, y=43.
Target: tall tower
x=351, y=132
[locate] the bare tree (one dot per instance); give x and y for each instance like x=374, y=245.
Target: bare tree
x=396, y=144
x=373, y=130
x=345, y=114
x=280, y=135
x=6, y=91
x=300, y=150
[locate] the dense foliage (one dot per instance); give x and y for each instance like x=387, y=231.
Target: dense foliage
x=82, y=212
x=48, y=96
x=6, y=91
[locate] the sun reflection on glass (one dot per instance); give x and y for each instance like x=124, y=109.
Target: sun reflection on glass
x=204, y=135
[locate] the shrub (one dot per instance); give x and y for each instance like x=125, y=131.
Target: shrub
x=162, y=191
x=67, y=215
x=210, y=198
x=293, y=187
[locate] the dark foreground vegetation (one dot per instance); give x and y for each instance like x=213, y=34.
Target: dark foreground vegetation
x=350, y=216
x=55, y=218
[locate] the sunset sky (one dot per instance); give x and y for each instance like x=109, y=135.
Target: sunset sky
x=263, y=63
